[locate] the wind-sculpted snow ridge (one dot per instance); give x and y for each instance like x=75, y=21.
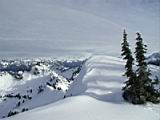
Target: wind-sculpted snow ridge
x=26, y=84
x=101, y=78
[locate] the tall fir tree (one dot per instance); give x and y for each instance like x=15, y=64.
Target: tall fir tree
x=129, y=89
x=145, y=89
x=139, y=87
x=127, y=55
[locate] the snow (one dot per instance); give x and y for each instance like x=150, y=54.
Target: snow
x=6, y=81
x=71, y=29
x=102, y=79
x=154, y=59
x=41, y=82
x=87, y=108
x=94, y=94
x=21, y=87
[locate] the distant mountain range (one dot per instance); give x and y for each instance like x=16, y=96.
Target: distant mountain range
x=154, y=59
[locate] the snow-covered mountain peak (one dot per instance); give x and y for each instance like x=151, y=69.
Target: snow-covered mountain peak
x=26, y=84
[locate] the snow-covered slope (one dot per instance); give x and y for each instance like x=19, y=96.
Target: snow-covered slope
x=26, y=84
x=95, y=94
x=154, y=59
x=87, y=108
x=74, y=27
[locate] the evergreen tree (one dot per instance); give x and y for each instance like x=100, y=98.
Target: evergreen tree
x=129, y=89
x=145, y=89
x=127, y=55
x=139, y=87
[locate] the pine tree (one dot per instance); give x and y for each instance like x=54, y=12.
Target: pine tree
x=139, y=87
x=129, y=89
x=127, y=55
x=144, y=87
